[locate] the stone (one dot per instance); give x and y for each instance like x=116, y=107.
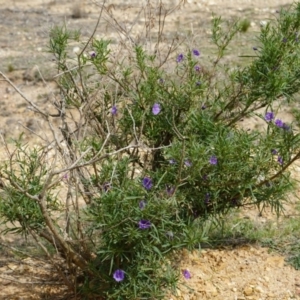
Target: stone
x=248, y=291
x=259, y=289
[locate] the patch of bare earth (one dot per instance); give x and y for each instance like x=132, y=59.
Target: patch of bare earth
x=235, y=273
x=245, y=272
x=29, y=279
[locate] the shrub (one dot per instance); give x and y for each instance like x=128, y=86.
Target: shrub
x=150, y=147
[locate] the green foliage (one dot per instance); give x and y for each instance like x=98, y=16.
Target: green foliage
x=26, y=177
x=155, y=151
x=10, y=68
x=244, y=25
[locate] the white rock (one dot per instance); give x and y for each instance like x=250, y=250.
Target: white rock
x=263, y=23
x=76, y=50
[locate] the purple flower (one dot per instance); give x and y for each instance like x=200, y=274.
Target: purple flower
x=114, y=110
x=280, y=160
x=161, y=81
x=197, y=68
x=144, y=224
x=170, y=190
x=198, y=83
x=119, y=275
x=65, y=177
x=279, y=123
x=186, y=274
x=274, y=151
x=196, y=52
x=284, y=40
x=269, y=116
x=172, y=161
x=156, y=109
x=187, y=163
x=93, y=54
x=213, y=160
x=180, y=58
x=286, y=127
x=147, y=183
x=203, y=107
x=142, y=204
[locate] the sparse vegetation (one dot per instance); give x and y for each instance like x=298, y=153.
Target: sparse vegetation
x=10, y=68
x=244, y=25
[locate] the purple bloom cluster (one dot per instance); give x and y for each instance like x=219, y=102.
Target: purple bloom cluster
x=186, y=274
x=196, y=52
x=274, y=151
x=180, y=58
x=114, y=110
x=280, y=158
x=269, y=116
x=197, y=68
x=119, y=275
x=213, y=160
x=156, y=109
x=147, y=183
x=285, y=127
x=144, y=224
x=93, y=54
x=279, y=123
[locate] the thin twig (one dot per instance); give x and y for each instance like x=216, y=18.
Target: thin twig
x=90, y=162
x=96, y=26
x=23, y=96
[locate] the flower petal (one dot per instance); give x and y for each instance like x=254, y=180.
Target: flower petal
x=156, y=109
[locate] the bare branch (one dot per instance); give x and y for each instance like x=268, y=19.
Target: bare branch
x=23, y=96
